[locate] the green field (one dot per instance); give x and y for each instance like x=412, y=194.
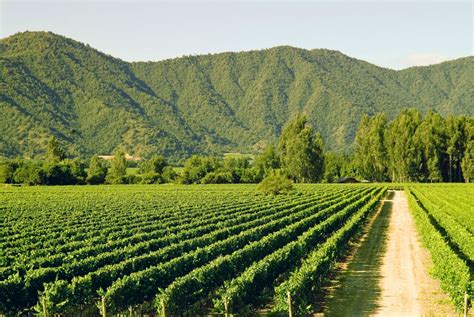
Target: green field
x=178, y=243
x=203, y=248
x=445, y=218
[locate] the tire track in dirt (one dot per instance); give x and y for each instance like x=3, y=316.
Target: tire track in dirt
x=388, y=274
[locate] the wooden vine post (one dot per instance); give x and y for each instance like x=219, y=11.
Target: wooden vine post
x=104, y=308
x=163, y=308
x=226, y=307
x=290, y=311
x=45, y=309
x=465, y=304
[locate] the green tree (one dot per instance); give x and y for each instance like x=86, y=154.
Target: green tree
x=267, y=161
x=118, y=167
x=302, y=153
x=457, y=130
x=156, y=164
x=370, y=151
x=7, y=170
x=97, y=171
x=431, y=138
x=55, y=153
x=196, y=167
x=404, y=156
x=58, y=174
x=334, y=167
x=275, y=184
x=30, y=173
x=467, y=163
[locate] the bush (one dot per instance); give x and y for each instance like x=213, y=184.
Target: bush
x=197, y=167
x=7, y=170
x=169, y=175
x=116, y=179
x=150, y=178
x=250, y=175
x=218, y=178
x=59, y=174
x=275, y=184
x=97, y=171
x=29, y=173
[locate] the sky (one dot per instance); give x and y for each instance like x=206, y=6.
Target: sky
x=393, y=34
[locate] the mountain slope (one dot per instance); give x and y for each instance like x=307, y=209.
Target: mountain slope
x=93, y=102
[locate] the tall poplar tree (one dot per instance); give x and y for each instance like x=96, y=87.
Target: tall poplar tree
x=55, y=153
x=431, y=139
x=403, y=153
x=302, y=153
x=119, y=164
x=457, y=128
x=370, y=153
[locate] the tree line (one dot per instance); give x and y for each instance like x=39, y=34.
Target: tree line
x=410, y=148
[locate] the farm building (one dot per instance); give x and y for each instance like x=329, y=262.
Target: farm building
x=347, y=180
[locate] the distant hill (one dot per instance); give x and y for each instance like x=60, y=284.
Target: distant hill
x=209, y=104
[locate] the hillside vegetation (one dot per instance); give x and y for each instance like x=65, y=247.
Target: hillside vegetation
x=209, y=104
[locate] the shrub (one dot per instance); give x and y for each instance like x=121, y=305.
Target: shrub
x=218, y=178
x=150, y=178
x=275, y=184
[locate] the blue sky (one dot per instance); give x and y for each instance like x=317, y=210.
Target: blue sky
x=394, y=34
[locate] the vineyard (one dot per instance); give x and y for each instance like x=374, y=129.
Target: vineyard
x=206, y=249
x=172, y=249
x=444, y=215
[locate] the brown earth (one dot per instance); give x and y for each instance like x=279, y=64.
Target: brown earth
x=388, y=275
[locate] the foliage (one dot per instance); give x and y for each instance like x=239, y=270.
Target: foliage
x=58, y=174
x=453, y=272
x=155, y=164
x=196, y=168
x=118, y=169
x=302, y=154
x=208, y=105
x=275, y=184
x=30, y=173
x=218, y=178
x=7, y=170
x=142, y=238
x=370, y=150
x=415, y=148
x=55, y=152
x=267, y=161
x=97, y=171
x=169, y=175
x=339, y=165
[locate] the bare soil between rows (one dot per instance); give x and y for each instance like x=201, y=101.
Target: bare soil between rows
x=388, y=274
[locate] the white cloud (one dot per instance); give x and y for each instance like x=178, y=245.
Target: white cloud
x=422, y=59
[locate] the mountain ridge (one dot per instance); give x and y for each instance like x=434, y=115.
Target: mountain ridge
x=213, y=103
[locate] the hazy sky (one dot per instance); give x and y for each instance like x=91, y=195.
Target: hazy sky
x=394, y=34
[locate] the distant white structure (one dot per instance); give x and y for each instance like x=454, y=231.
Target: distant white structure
x=128, y=157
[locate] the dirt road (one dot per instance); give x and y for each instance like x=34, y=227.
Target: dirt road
x=388, y=274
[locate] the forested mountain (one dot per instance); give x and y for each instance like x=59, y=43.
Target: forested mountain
x=93, y=102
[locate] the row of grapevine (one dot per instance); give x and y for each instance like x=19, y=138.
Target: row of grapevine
x=453, y=272
x=34, y=279
x=457, y=233
x=157, y=229
x=188, y=289
x=123, y=246
x=130, y=260
x=132, y=289
x=300, y=286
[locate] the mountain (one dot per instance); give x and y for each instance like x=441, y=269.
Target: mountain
x=211, y=104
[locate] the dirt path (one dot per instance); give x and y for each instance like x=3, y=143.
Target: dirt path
x=388, y=274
